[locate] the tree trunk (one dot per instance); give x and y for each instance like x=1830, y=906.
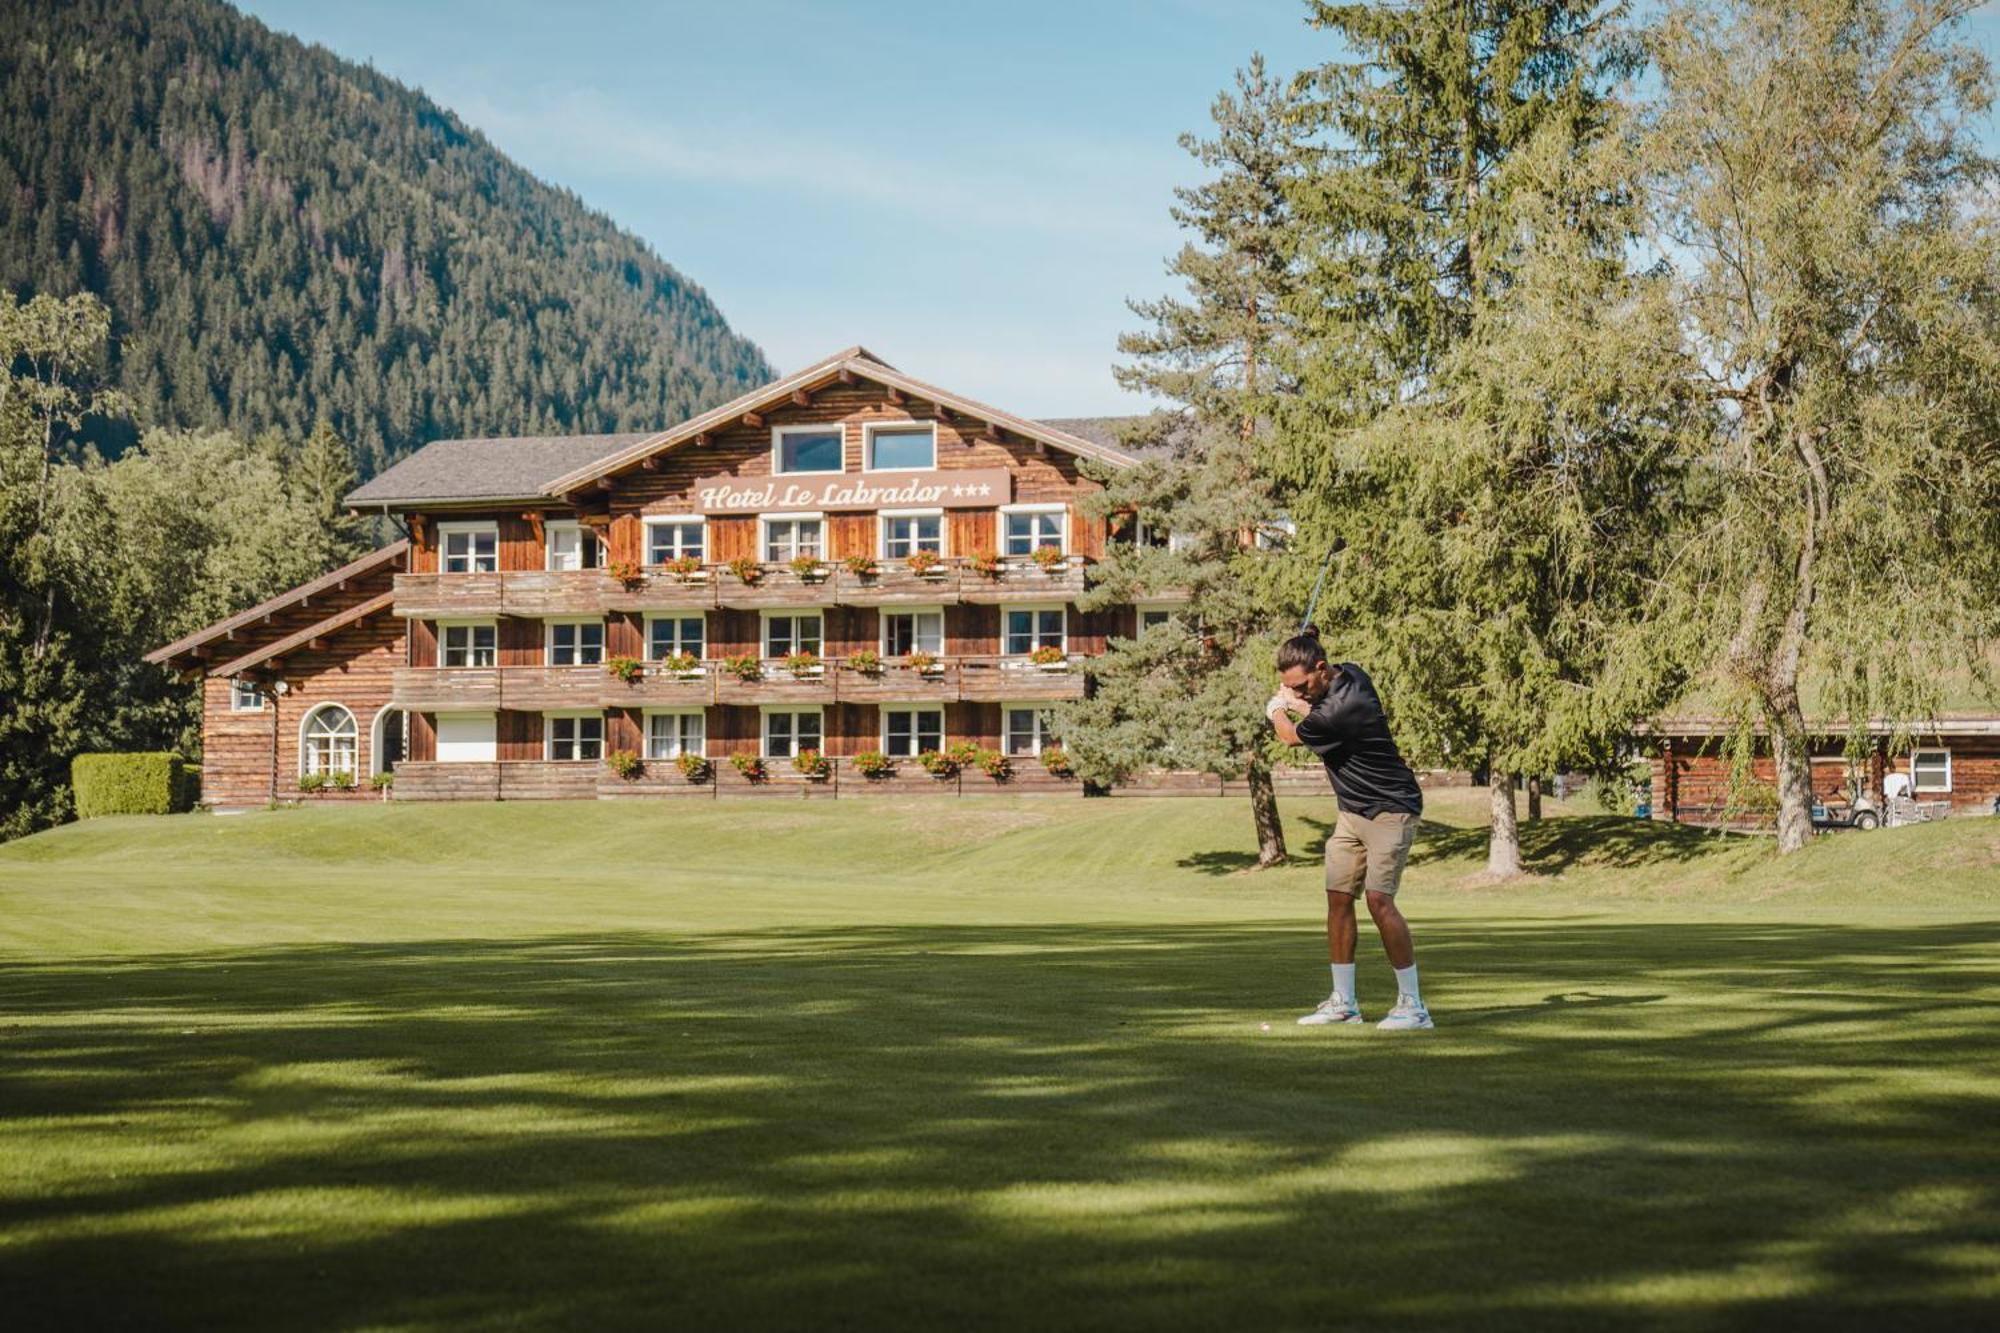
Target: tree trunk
x=1264, y=813
x=1792, y=754
x=1534, y=799
x=1503, y=844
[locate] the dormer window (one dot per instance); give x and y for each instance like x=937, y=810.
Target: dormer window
x=469, y=548
x=900, y=447
x=570, y=545
x=807, y=449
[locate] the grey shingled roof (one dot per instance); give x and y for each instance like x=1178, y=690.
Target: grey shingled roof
x=1110, y=431
x=515, y=468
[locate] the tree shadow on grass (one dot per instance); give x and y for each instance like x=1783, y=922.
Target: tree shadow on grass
x=1548, y=846
x=1075, y=1125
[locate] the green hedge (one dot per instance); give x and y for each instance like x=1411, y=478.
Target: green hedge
x=154, y=783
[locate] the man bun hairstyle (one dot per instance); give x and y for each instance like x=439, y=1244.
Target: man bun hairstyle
x=1301, y=650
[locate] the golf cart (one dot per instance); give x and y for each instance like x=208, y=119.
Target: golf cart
x=1857, y=811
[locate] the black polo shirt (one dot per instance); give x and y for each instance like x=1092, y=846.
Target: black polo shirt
x=1347, y=730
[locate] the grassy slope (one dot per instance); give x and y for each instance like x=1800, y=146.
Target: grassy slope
x=406, y=1067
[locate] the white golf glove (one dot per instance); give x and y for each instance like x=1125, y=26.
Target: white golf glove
x=1279, y=703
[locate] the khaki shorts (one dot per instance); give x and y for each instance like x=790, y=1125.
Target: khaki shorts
x=1368, y=854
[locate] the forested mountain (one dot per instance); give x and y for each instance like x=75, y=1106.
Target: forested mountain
x=284, y=236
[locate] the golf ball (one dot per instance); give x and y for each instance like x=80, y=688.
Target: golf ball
x=1267, y=1027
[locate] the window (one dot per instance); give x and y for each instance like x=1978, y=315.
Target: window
x=573, y=738
x=911, y=448
x=673, y=538
x=788, y=538
x=466, y=645
x=1277, y=534
x=330, y=742
x=785, y=634
x=576, y=642
x=903, y=534
x=470, y=548
x=1930, y=770
x=785, y=734
x=671, y=735
x=807, y=449
x=1026, y=529
x=1150, y=616
x=1150, y=532
x=908, y=732
x=668, y=635
x=1027, y=731
x=1029, y=628
x=245, y=697
x=570, y=545
x=906, y=632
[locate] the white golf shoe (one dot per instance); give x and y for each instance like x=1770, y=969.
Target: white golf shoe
x=1333, y=1009
x=1408, y=1016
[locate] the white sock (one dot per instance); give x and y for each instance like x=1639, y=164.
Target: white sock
x=1406, y=984
x=1343, y=980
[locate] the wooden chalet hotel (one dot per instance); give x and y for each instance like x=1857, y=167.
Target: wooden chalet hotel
x=847, y=561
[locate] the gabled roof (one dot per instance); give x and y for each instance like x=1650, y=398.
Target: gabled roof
x=513, y=468
x=337, y=621
x=298, y=596
x=854, y=363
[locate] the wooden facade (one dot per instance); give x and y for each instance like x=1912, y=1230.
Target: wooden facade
x=1953, y=765
x=449, y=675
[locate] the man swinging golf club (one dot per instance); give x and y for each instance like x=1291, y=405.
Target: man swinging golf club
x=1340, y=720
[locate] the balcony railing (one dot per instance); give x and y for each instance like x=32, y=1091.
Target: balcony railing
x=539, y=688
x=536, y=592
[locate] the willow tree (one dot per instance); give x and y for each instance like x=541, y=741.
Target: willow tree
x=1830, y=218
x=1189, y=693
x=1484, y=388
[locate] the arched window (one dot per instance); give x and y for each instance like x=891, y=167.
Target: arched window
x=328, y=743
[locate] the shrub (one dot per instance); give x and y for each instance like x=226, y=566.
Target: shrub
x=312, y=782
x=923, y=662
x=749, y=765
x=683, y=567
x=625, y=763
x=806, y=567
x=746, y=570
x=626, y=573
x=996, y=765
x=802, y=665
x=681, y=663
x=1056, y=760
x=744, y=666
x=189, y=795
x=812, y=763
x=924, y=562
x=861, y=566
x=382, y=781
x=868, y=662
x=692, y=766
x=1048, y=655
x=937, y=764
x=984, y=563
x=343, y=781
x=627, y=669
x=873, y=764
x=145, y=783
x=1049, y=559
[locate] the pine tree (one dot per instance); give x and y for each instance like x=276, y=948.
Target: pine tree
x=1464, y=433
x=1835, y=246
x=1191, y=690
x=318, y=476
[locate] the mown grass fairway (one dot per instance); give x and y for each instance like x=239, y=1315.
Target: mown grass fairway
x=991, y=1064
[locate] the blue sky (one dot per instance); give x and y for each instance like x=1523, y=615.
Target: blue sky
x=971, y=190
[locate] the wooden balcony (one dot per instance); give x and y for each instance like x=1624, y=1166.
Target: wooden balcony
x=1024, y=581
x=446, y=689
x=526, y=592
x=534, y=688
x=657, y=687
x=779, y=586
x=778, y=686
x=896, y=584
x=658, y=590
x=895, y=682
x=998, y=679
x=432, y=596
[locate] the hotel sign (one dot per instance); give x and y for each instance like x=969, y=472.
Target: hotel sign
x=968, y=488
